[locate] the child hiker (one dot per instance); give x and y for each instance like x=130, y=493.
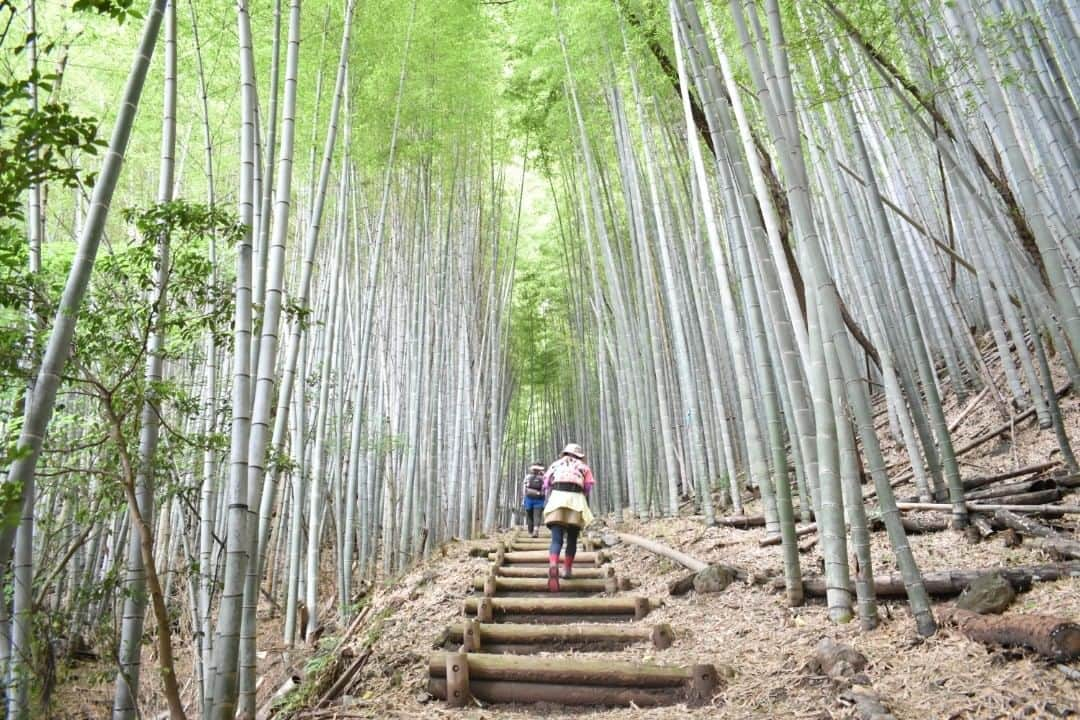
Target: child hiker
x=534, y=498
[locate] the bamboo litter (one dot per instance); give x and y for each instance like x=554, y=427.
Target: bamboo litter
x=760, y=644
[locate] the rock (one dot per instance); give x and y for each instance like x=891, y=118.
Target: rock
x=423, y=697
x=837, y=659
x=867, y=703
x=1011, y=538
x=990, y=593
x=713, y=579
x=681, y=585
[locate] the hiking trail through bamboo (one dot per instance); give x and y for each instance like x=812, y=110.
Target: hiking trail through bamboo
x=513, y=617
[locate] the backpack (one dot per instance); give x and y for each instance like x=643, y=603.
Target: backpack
x=568, y=471
x=534, y=486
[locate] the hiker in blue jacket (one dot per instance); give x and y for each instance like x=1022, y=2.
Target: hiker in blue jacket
x=534, y=498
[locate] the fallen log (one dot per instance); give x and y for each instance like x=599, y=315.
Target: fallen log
x=1065, y=480
x=541, y=557
x=1049, y=636
x=777, y=539
x=913, y=526
x=916, y=526
x=541, y=571
x=980, y=526
x=687, y=561
x=492, y=636
x=1051, y=539
x=978, y=482
x=566, y=585
x=1037, y=497
x=626, y=607
x=1008, y=489
x=948, y=583
x=1048, y=510
x=743, y=522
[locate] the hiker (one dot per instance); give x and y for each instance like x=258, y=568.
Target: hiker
x=567, y=483
x=534, y=498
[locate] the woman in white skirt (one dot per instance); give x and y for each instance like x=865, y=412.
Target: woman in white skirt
x=567, y=484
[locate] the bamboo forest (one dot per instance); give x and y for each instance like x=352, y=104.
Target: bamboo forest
x=333, y=334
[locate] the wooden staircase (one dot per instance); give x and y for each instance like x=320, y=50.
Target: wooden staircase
x=514, y=616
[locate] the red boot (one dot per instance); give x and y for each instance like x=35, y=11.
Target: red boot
x=553, y=578
x=568, y=567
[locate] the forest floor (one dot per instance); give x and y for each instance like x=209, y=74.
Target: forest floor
x=748, y=631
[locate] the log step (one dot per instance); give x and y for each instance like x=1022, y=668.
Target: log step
x=501, y=691
x=536, y=585
x=540, y=557
x=548, y=609
x=524, y=638
x=535, y=544
x=566, y=681
x=540, y=571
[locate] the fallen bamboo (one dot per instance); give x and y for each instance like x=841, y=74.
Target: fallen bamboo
x=1049, y=636
x=687, y=561
x=978, y=482
x=343, y=679
x=1012, y=488
x=948, y=583
x=967, y=410
x=1036, y=497
x=799, y=532
x=1049, y=510
x=913, y=526
x=981, y=526
x=541, y=557
x=512, y=634
x=1006, y=426
x=1051, y=539
x=743, y=522
x=566, y=585
x=977, y=442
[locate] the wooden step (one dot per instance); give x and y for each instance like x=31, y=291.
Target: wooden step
x=521, y=638
x=540, y=557
x=560, y=609
x=461, y=676
x=536, y=585
x=541, y=571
